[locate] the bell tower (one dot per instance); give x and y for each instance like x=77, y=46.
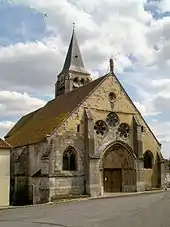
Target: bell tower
x=73, y=74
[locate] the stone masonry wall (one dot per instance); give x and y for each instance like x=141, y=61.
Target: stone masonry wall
x=67, y=182
x=100, y=106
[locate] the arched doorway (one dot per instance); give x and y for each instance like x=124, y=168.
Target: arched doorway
x=119, y=172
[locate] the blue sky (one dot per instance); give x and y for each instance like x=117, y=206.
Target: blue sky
x=35, y=47
x=22, y=24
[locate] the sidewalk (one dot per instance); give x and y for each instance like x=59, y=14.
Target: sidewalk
x=105, y=196
x=126, y=194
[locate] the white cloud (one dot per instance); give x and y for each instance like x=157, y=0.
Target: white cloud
x=31, y=66
x=132, y=30
x=162, y=130
x=5, y=126
x=117, y=35
x=146, y=109
x=159, y=129
x=104, y=28
x=14, y=105
x=164, y=5
x=17, y=104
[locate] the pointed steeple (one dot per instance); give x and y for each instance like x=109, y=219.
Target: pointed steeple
x=74, y=61
x=73, y=74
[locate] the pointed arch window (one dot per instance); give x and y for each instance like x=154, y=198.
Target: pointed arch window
x=148, y=160
x=69, y=159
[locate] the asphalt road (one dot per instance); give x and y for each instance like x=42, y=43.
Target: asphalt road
x=152, y=210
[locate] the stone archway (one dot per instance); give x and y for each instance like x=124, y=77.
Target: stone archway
x=119, y=170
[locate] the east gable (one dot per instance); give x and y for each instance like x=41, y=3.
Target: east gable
x=100, y=103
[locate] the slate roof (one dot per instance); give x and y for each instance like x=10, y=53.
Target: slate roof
x=34, y=127
x=4, y=145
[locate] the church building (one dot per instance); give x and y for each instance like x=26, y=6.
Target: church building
x=89, y=140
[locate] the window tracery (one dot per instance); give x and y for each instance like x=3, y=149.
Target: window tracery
x=124, y=130
x=112, y=119
x=69, y=159
x=112, y=97
x=100, y=127
x=76, y=80
x=82, y=81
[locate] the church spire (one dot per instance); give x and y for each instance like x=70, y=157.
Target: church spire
x=73, y=74
x=74, y=61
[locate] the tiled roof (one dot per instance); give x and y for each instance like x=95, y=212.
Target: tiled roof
x=35, y=126
x=4, y=145
x=20, y=123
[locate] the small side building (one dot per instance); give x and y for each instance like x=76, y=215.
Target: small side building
x=4, y=173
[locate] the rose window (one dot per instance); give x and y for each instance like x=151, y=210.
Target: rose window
x=123, y=130
x=100, y=127
x=112, y=119
x=112, y=97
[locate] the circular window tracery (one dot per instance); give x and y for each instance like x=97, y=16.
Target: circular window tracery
x=112, y=97
x=100, y=127
x=76, y=80
x=82, y=80
x=124, y=130
x=112, y=119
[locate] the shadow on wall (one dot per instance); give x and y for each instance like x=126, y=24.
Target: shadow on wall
x=70, y=181
x=34, y=189
x=19, y=187
x=21, y=192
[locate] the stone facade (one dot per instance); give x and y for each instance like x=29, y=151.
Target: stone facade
x=40, y=166
x=87, y=141
x=102, y=146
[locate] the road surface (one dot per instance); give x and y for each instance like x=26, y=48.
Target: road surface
x=149, y=210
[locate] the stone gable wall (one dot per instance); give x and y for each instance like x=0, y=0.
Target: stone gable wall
x=99, y=106
x=61, y=182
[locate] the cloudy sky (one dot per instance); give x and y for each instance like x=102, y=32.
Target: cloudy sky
x=136, y=33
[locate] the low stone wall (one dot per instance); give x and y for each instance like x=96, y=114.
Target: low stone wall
x=129, y=188
x=60, y=186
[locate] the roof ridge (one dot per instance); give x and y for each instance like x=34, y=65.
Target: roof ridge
x=102, y=79
x=50, y=116
x=77, y=89
x=8, y=134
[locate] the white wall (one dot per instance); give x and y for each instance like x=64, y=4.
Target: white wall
x=4, y=177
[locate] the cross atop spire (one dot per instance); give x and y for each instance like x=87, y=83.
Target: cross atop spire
x=73, y=26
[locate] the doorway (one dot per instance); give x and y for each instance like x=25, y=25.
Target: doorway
x=119, y=173
x=112, y=180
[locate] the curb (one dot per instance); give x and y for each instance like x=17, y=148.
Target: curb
x=86, y=199
x=127, y=195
